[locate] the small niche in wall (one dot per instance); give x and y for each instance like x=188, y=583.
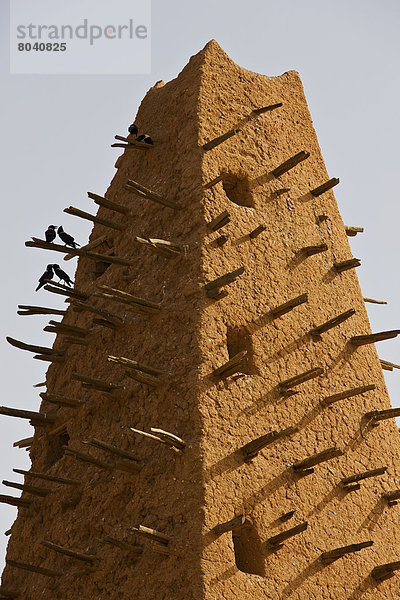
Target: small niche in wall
x=237, y=340
x=55, y=449
x=249, y=555
x=100, y=267
x=237, y=188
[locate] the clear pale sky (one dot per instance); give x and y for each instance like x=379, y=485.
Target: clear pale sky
x=56, y=133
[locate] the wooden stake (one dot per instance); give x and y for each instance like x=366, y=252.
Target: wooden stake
x=76, y=212
x=352, y=231
x=287, y=516
x=163, y=247
x=25, y=309
x=97, y=384
x=134, y=301
x=290, y=163
x=219, y=221
x=392, y=496
x=49, y=357
x=332, y=555
x=212, y=288
x=229, y=525
x=165, y=438
x=256, y=232
x=157, y=536
x=328, y=185
x=123, y=545
x=133, y=364
x=107, y=315
x=311, y=250
x=362, y=340
x=277, y=540
x=30, y=347
x=25, y=443
x=137, y=188
x=347, y=394
x=47, y=477
x=61, y=400
x=29, y=489
x=345, y=265
x=280, y=192
x=233, y=365
x=88, y=558
x=374, y=301
x=169, y=438
x=289, y=305
x=132, y=143
x=101, y=201
x=12, y=501
x=389, y=366
x=144, y=378
x=365, y=475
x=385, y=571
x=382, y=415
x=264, y=109
x=221, y=240
x=33, y=568
x=316, y=459
x=250, y=450
x=64, y=291
x=114, y=450
x=316, y=332
x=86, y=458
x=220, y=139
x=213, y=182
x=35, y=417
x=96, y=242
x=70, y=329
x=301, y=378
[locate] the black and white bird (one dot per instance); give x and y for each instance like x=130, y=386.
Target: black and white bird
x=144, y=138
x=47, y=275
x=51, y=233
x=66, y=238
x=62, y=275
x=133, y=129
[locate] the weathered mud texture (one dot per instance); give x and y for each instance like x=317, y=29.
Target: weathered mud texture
x=186, y=494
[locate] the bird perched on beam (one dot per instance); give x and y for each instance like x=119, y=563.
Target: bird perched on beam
x=47, y=276
x=62, y=275
x=144, y=138
x=50, y=233
x=66, y=238
x=133, y=129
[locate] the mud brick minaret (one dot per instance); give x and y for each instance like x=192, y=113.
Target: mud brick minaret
x=215, y=423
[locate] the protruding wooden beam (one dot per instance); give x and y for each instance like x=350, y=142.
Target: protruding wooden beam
x=324, y=187
x=362, y=340
x=256, y=232
x=64, y=290
x=234, y=523
x=46, y=477
x=251, y=449
x=331, y=555
x=213, y=182
x=35, y=417
x=30, y=347
x=33, y=568
x=50, y=357
x=264, y=109
x=132, y=143
x=153, y=534
x=61, y=400
x=106, y=203
x=162, y=436
x=220, y=221
x=232, y=366
x=346, y=394
x=137, y=188
x=301, y=378
x=86, y=458
x=24, y=443
x=163, y=247
x=220, y=139
x=345, y=265
x=115, y=319
x=12, y=501
x=316, y=331
x=388, y=366
x=135, y=302
x=276, y=540
x=134, y=365
x=221, y=240
x=280, y=192
x=306, y=464
x=97, y=384
x=29, y=489
x=72, y=330
x=352, y=231
x=282, y=309
x=391, y=497
x=372, y=301
x=385, y=571
x=82, y=556
x=123, y=545
x=361, y=476
x=76, y=212
x=142, y=377
x=311, y=250
x=26, y=309
x=212, y=288
x=287, y=516
x=290, y=163
x=382, y=415
x=93, y=244
x=114, y=450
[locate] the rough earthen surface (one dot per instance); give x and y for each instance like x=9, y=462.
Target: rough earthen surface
x=186, y=494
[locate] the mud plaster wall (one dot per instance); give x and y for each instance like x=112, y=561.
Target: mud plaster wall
x=186, y=495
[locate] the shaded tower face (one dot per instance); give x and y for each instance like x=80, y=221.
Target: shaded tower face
x=233, y=322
